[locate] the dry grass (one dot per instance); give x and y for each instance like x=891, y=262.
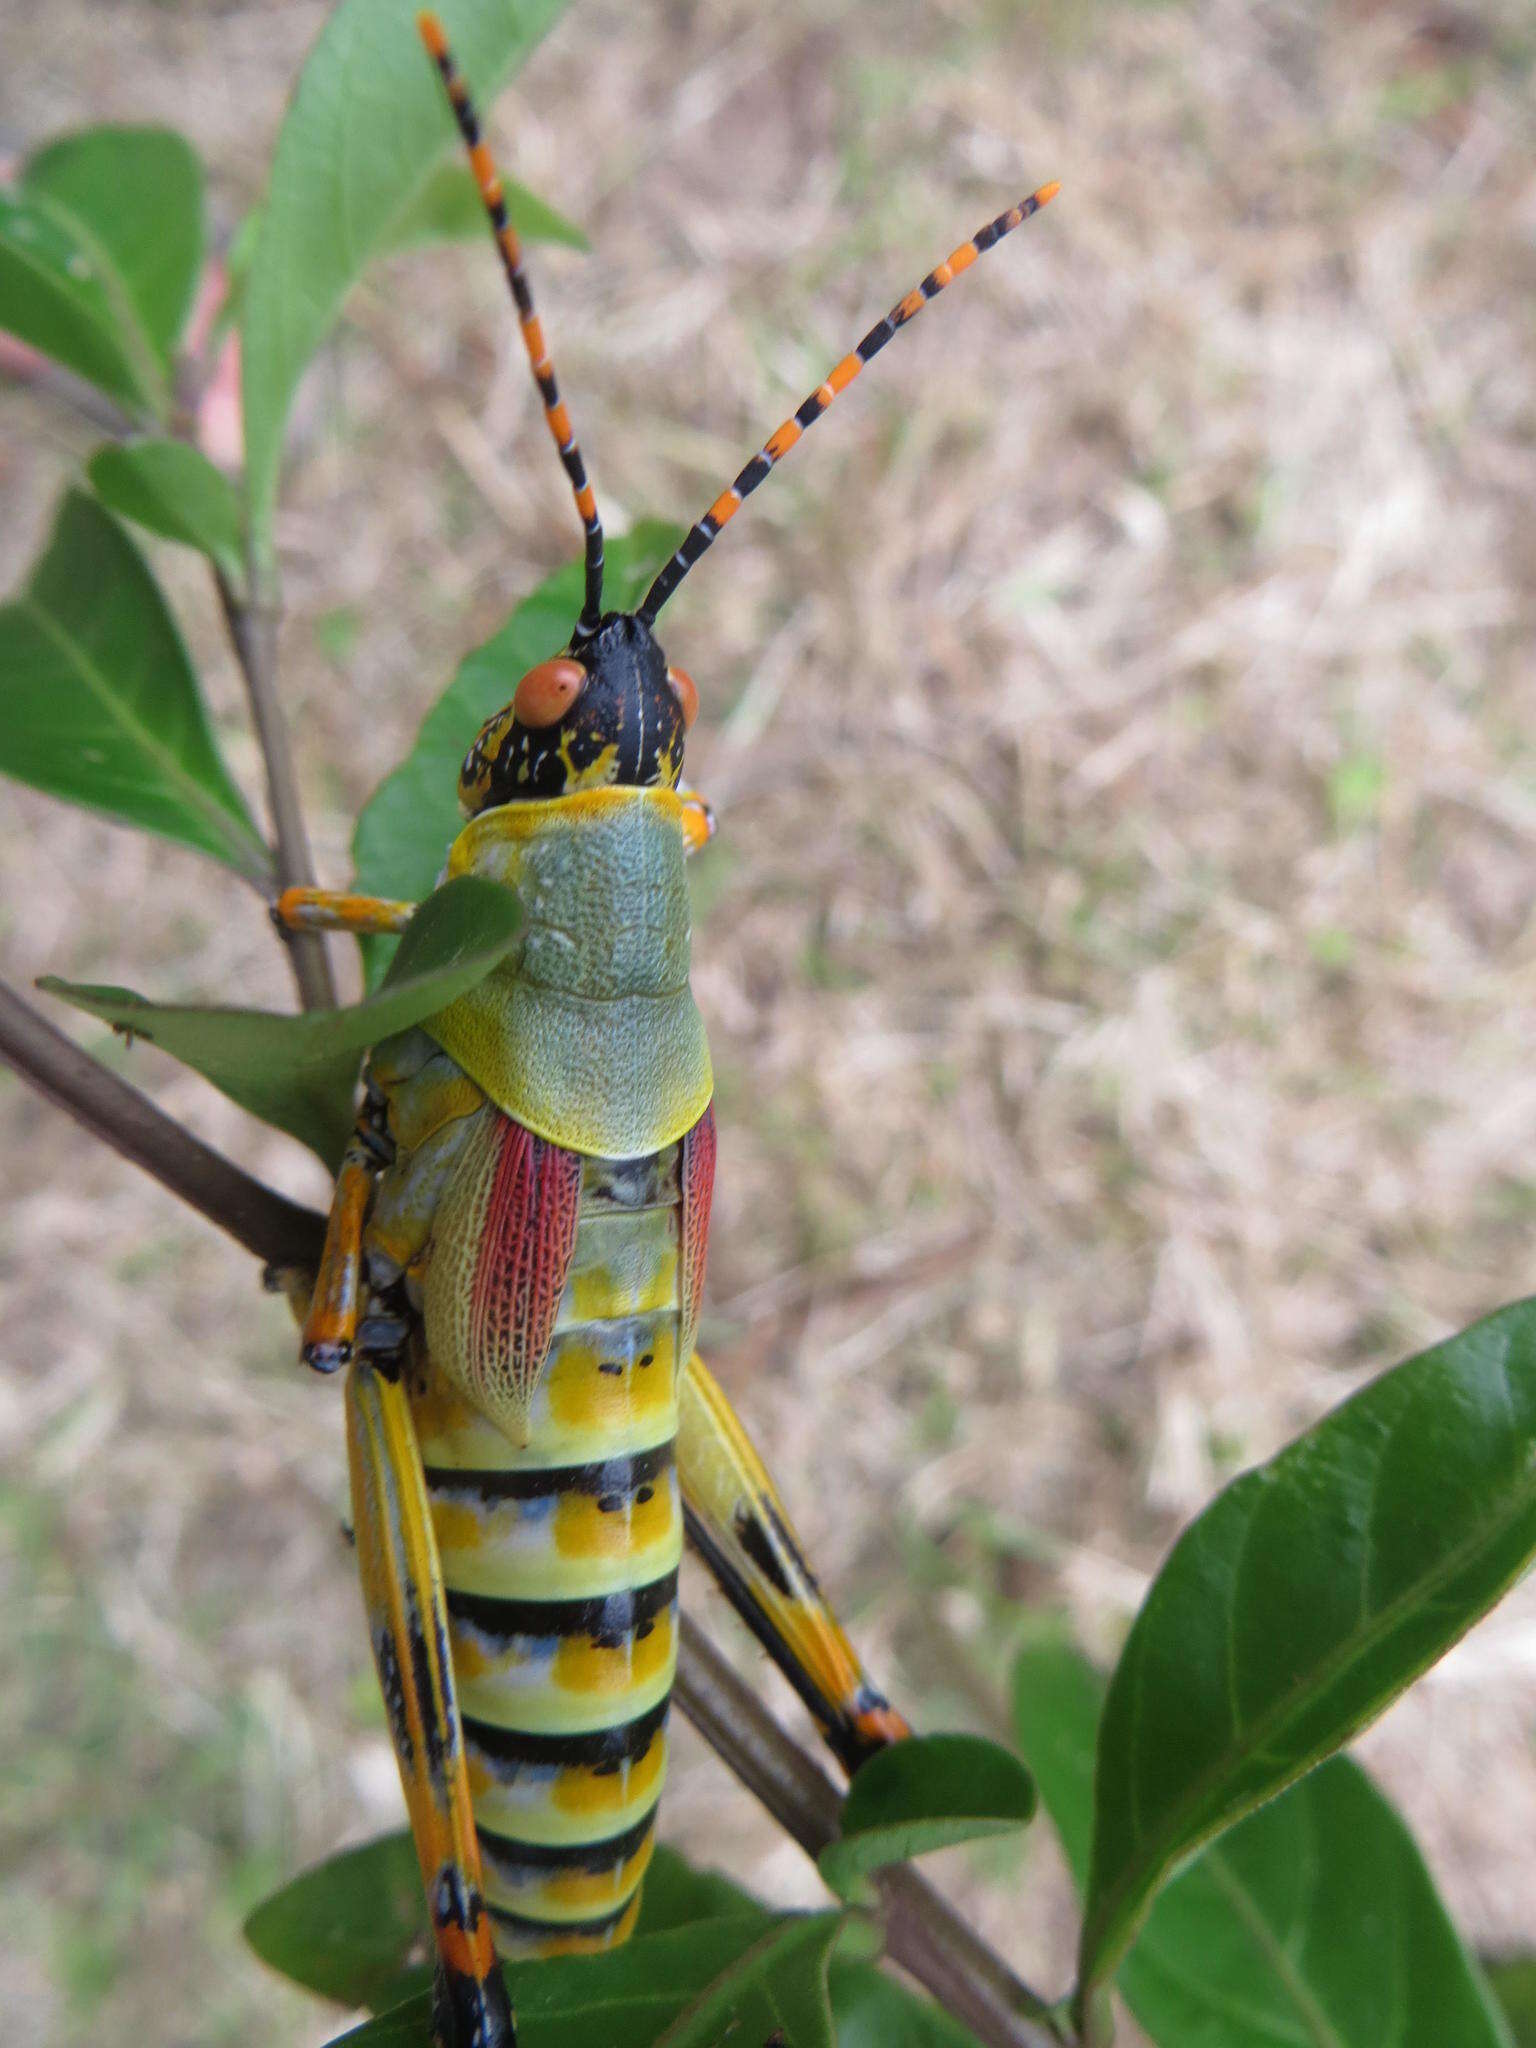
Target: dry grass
x=1118, y=951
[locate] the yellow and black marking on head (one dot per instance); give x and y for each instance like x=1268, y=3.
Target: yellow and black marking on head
x=608, y=711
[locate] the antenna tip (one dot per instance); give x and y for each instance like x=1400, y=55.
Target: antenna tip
x=430, y=29
x=1048, y=192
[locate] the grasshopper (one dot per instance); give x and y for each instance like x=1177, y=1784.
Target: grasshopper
x=512, y=1276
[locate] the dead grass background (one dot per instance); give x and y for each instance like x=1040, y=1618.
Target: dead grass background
x=1118, y=950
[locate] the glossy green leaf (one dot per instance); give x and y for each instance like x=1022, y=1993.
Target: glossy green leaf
x=1512, y=1980
x=175, y=491
x=298, y=1072
x=872, y=2010
x=448, y=208
x=100, y=703
x=691, y=1987
x=1311, y=1924
x=364, y=132
x=347, y=1928
x=923, y=1794
x=1304, y=1600
x=408, y=824
x=101, y=241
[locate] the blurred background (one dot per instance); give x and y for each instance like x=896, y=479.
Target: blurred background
x=1117, y=950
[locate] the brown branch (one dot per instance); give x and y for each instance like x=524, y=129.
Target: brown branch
x=923, y=1933
x=279, y=1232
x=253, y=633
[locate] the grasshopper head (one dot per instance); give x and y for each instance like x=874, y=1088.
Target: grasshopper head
x=609, y=710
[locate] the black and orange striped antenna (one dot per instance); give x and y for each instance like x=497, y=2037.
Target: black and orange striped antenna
x=783, y=438
x=533, y=333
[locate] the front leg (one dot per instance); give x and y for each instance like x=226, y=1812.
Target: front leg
x=737, y=1522
x=408, y=1623
x=337, y=910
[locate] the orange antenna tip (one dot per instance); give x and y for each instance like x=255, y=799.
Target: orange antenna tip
x=430, y=30
x=1048, y=192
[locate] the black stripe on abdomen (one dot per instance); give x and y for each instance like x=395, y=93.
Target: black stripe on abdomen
x=512, y=1858
x=608, y=1478
x=608, y=1618
x=597, y=1749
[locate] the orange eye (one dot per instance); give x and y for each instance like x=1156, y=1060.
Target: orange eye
x=686, y=691
x=547, y=692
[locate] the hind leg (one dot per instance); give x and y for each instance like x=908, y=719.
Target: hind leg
x=739, y=1526
x=408, y=1624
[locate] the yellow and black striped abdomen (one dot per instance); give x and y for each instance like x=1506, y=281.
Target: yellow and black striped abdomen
x=560, y=1551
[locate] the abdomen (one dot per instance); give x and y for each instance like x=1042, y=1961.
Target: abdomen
x=559, y=1523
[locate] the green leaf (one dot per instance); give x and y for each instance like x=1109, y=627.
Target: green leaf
x=54, y=297
x=407, y=825
x=676, y=1895
x=101, y=242
x=1304, y=1599
x=778, y=1984
x=691, y=1987
x=448, y=208
x=364, y=132
x=101, y=704
x=347, y=1928
x=872, y=2010
x=1512, y=1980
x=139, y=194
x=923, y=1794
x=298, y=1072
x=1311, y=1924
x=175, y=491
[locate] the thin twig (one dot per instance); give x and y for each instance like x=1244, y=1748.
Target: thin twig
x=923, y=1933
x=279, y=1232
x=253, y=632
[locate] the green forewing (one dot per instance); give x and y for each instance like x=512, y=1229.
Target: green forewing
x=1311, y=1924
x=364, y=132
x=100, y=703
x=298, y=1072
x=1304, y=1600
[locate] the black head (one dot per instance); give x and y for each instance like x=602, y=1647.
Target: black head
x=608, y=710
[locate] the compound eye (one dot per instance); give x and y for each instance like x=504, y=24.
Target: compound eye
x=547, y=692
x=686, y=691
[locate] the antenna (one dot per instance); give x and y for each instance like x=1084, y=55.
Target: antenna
x=559, y=420
x=784, y=437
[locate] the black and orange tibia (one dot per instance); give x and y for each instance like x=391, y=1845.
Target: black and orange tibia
x=512, y=1277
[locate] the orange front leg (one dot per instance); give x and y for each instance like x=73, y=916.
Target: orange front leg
x=335, y=910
